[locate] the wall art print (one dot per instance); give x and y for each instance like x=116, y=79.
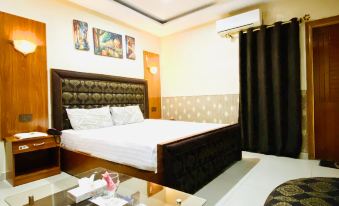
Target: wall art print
x=130, y=47
x=107, y=43
x=80, y=30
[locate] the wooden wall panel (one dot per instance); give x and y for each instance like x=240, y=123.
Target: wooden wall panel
x=154, y=86
x=23, y=79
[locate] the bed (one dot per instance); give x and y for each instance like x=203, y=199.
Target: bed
x=186, y=163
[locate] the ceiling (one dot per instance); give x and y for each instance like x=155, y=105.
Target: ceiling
x=164, y=11
x=165, y=17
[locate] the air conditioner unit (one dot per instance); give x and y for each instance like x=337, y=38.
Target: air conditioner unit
x=239, y=22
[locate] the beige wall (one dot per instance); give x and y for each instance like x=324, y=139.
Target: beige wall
x=199, y=62
x=58, y=16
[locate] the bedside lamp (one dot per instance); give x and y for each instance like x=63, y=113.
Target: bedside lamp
x=24, y=46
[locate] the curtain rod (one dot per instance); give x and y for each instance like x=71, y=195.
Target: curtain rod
x=305, y=18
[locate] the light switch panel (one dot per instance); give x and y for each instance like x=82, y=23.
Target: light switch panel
x=25, y=117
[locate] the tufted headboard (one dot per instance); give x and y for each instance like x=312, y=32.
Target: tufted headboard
x=86, y=90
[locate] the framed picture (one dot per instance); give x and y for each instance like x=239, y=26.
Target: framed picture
x=80, y=30
x=130, y=47
x=107, y=43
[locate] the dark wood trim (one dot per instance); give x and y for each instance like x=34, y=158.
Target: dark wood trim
x=90, y=76
x=310, y=83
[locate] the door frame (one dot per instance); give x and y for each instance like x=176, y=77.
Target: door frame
x=310, y=80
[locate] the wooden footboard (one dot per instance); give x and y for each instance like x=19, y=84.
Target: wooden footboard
x=191, y=163
x=73, y=163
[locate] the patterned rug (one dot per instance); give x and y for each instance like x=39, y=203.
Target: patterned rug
x=330, y=164
x=317, y=191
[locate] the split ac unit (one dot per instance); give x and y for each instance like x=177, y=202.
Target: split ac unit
x=234, y=24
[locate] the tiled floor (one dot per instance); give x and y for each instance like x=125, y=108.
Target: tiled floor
x=271, y=171
x=39, y=189
x=248, y=182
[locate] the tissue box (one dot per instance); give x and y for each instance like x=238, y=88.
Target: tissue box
x=82, y=193
x=132, y=199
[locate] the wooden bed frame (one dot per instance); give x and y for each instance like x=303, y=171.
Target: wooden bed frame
x=185, y=164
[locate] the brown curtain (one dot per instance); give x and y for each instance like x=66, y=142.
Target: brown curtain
x=270, y=96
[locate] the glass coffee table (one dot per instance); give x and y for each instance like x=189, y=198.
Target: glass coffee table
x=136, y=191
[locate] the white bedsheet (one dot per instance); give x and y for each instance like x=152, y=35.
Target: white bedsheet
x=133, y=144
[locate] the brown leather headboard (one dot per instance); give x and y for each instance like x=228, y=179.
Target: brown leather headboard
x=86, y=90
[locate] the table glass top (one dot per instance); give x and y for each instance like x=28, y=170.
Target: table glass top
x=138, y=192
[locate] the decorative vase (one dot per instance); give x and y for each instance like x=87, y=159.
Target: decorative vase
x=112, y=180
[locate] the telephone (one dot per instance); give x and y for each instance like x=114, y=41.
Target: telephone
x=53, y=131
x=56, y=133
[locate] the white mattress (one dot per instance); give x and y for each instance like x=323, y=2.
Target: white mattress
x=133, y=144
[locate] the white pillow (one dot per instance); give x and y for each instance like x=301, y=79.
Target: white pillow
x=126, y=115
x=90, y=118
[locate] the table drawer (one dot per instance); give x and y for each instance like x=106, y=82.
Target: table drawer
x=33, y=145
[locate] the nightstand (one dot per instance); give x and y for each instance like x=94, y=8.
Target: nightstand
x=31, y=159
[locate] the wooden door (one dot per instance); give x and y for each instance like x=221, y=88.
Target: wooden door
x=326, y=91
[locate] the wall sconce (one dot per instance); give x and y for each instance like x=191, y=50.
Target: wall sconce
x=24, y=46
x=153, y=69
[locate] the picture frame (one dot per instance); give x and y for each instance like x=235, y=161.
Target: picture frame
x=80, y=31
x=130, y=47
x=107, y=43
